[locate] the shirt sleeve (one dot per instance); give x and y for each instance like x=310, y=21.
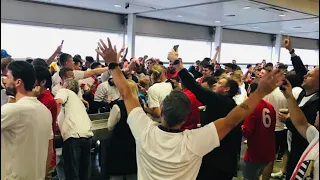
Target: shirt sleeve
x=138, y=121
x=63, y=95
x=78, y=75
x=114, y=116
x=203, y=140
x=8, y=116
x=311, y=133
x=153, y=100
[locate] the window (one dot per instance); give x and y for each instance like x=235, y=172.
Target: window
x=244, y=54
x=22, y=41
x=308, y=57
x=189, y=50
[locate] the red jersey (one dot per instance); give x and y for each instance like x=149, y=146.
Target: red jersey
x=47, y=99
x=172, y=75
x=194, y=116
x=258, y=129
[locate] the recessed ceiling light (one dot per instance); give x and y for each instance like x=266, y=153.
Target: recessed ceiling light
x=297, y=27
x=217, y=21
x=179, y=16
x=246, y=7
x=255, y=27
x=282, y=15
x=230, y=15
x=117, y=6
x=316, y=22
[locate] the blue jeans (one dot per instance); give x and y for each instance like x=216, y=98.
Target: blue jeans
x=77, y=158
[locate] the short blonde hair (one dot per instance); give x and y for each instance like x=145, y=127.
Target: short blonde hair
x=144, y=82
x=72, y=85
x=133, y=86
x=156, y=71
x=237, y=76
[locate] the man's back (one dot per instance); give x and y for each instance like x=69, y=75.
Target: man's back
x=258, y=128
x=25, y=132
x=164, y=154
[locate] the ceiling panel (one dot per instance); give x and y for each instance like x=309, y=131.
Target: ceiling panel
x=308, y=28
x=248, y=15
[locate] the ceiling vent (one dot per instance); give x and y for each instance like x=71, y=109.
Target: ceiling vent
x=273, y=10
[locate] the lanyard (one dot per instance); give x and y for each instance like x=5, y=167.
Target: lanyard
x=301, y=161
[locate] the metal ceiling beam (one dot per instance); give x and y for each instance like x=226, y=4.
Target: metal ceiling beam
x=185, y=6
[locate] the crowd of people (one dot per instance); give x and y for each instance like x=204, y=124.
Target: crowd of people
x=165, y=122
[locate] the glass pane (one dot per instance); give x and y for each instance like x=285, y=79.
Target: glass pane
x=308, y=57
x=244, y=54
x=189, y=50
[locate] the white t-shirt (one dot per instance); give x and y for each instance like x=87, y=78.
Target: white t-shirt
x=114, y=117
x=305, y=99
x=75, y=121
x=296, y=92
x=57, y=87
x=26, y=128
x=239, y=98
x=78, y=75
x=313, y=155
x=165, y=155
x=156, y=94
x=104, y=90
x=278, y=101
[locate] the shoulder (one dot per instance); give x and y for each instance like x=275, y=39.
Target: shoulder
x=10, y=108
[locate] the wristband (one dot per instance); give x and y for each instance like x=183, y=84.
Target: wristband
x=113, y=65
x=292, y=51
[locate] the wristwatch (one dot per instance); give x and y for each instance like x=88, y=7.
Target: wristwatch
x=292, y=51
x=113, y=65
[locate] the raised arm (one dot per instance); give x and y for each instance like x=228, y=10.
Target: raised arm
x=266, y=85
x=54, y=55
x=297, y=117
x=214, y=60
x=109, y=55
x=92, y=72
x=296, y=61
x=205, y=96
x=98, y=57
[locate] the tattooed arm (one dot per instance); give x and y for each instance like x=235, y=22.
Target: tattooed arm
x=266, y=85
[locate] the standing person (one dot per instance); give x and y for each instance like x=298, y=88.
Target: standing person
x=158, y=91
x=25, y=135
x=222, y=162
x=195, y=69
x=207, y=70
x=164, y=151
x=75, y=127
x=121, y=148
x=259, y=127
x=308, y=164
x=43, y=83
x=308, y=101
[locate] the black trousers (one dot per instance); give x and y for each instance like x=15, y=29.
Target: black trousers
x=209, y=173
x=281, y=142
x=77, y=158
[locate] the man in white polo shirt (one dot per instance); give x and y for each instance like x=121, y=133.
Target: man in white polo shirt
x=163, y=150
x=26, y=127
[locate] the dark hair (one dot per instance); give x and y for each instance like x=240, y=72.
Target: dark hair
x=161, y=63
x=209, y=66
x=249, y=66
x=77, y=60
x=253, y=86
x=24, y=71
x=292, y=77
x=269, y=64
x=40, y=62
x=209, y=80
x=63, y=58
x=42, y=73
x=207, y=59
x=175, y=108
x=77, y=56
x=63, y=71
x=89, y=59
x=95, y=65
x=218, y=72
x=197, y=61
x=5, y=62
x=234, y=87
x=29, y=60
x=204, y=63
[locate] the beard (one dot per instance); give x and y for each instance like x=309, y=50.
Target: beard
x=11, y=91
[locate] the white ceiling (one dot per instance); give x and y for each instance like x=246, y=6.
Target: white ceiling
x=212, y=13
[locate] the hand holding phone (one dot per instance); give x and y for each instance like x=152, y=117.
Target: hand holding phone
x=62, y=42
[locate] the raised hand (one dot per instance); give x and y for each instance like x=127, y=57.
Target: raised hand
x=287, y=43
x=286, y=89
x=108, y=53
x=270, y=81
x=218, y=48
